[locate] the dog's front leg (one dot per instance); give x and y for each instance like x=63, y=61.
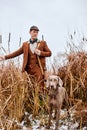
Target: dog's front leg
x=50, y=116
x=57, y=119
x=55, y=114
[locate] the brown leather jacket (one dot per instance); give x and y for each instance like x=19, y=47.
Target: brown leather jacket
x=45, y=52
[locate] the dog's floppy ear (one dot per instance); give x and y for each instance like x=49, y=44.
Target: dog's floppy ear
x=47, y=83
x=60, y=82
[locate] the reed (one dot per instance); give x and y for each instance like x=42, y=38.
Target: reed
x=18, y=94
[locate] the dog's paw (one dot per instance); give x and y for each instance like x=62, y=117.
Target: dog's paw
x=56, y=128
x=48, y=127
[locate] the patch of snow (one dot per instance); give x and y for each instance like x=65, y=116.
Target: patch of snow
x=63, y=127
x=74, y=126
x=65, y=124
x=84, y=128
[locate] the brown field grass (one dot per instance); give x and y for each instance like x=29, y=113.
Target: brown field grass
x=19, y=93
x=74, y=75
x=73, y=70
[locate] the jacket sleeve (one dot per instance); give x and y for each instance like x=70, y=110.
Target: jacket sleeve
x=14, y=54
x=46, y=51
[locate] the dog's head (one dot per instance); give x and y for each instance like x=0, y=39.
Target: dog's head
x=54, y=82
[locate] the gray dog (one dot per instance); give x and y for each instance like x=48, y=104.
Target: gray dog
x=57, y=94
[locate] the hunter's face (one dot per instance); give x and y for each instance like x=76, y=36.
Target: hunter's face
x=34, y=34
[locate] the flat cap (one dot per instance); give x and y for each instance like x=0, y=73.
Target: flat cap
x=34, y=28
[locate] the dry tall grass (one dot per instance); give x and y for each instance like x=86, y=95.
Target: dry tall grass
x=74, y=75
x=73, y=68
x=73, y=72
x=18, y=93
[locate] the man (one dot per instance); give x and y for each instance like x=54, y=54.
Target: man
x=34, y=53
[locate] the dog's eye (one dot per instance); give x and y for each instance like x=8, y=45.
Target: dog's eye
x=55, y=80
x=50, y=79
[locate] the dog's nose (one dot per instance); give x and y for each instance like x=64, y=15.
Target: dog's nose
x=51, y=86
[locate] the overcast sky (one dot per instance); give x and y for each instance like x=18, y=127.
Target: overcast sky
x=55, y=19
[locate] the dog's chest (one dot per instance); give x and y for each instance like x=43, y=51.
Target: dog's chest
x=53, y=102
x=53, y=99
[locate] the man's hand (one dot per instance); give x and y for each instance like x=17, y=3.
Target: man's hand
x=37, y=52
x=2, y=58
